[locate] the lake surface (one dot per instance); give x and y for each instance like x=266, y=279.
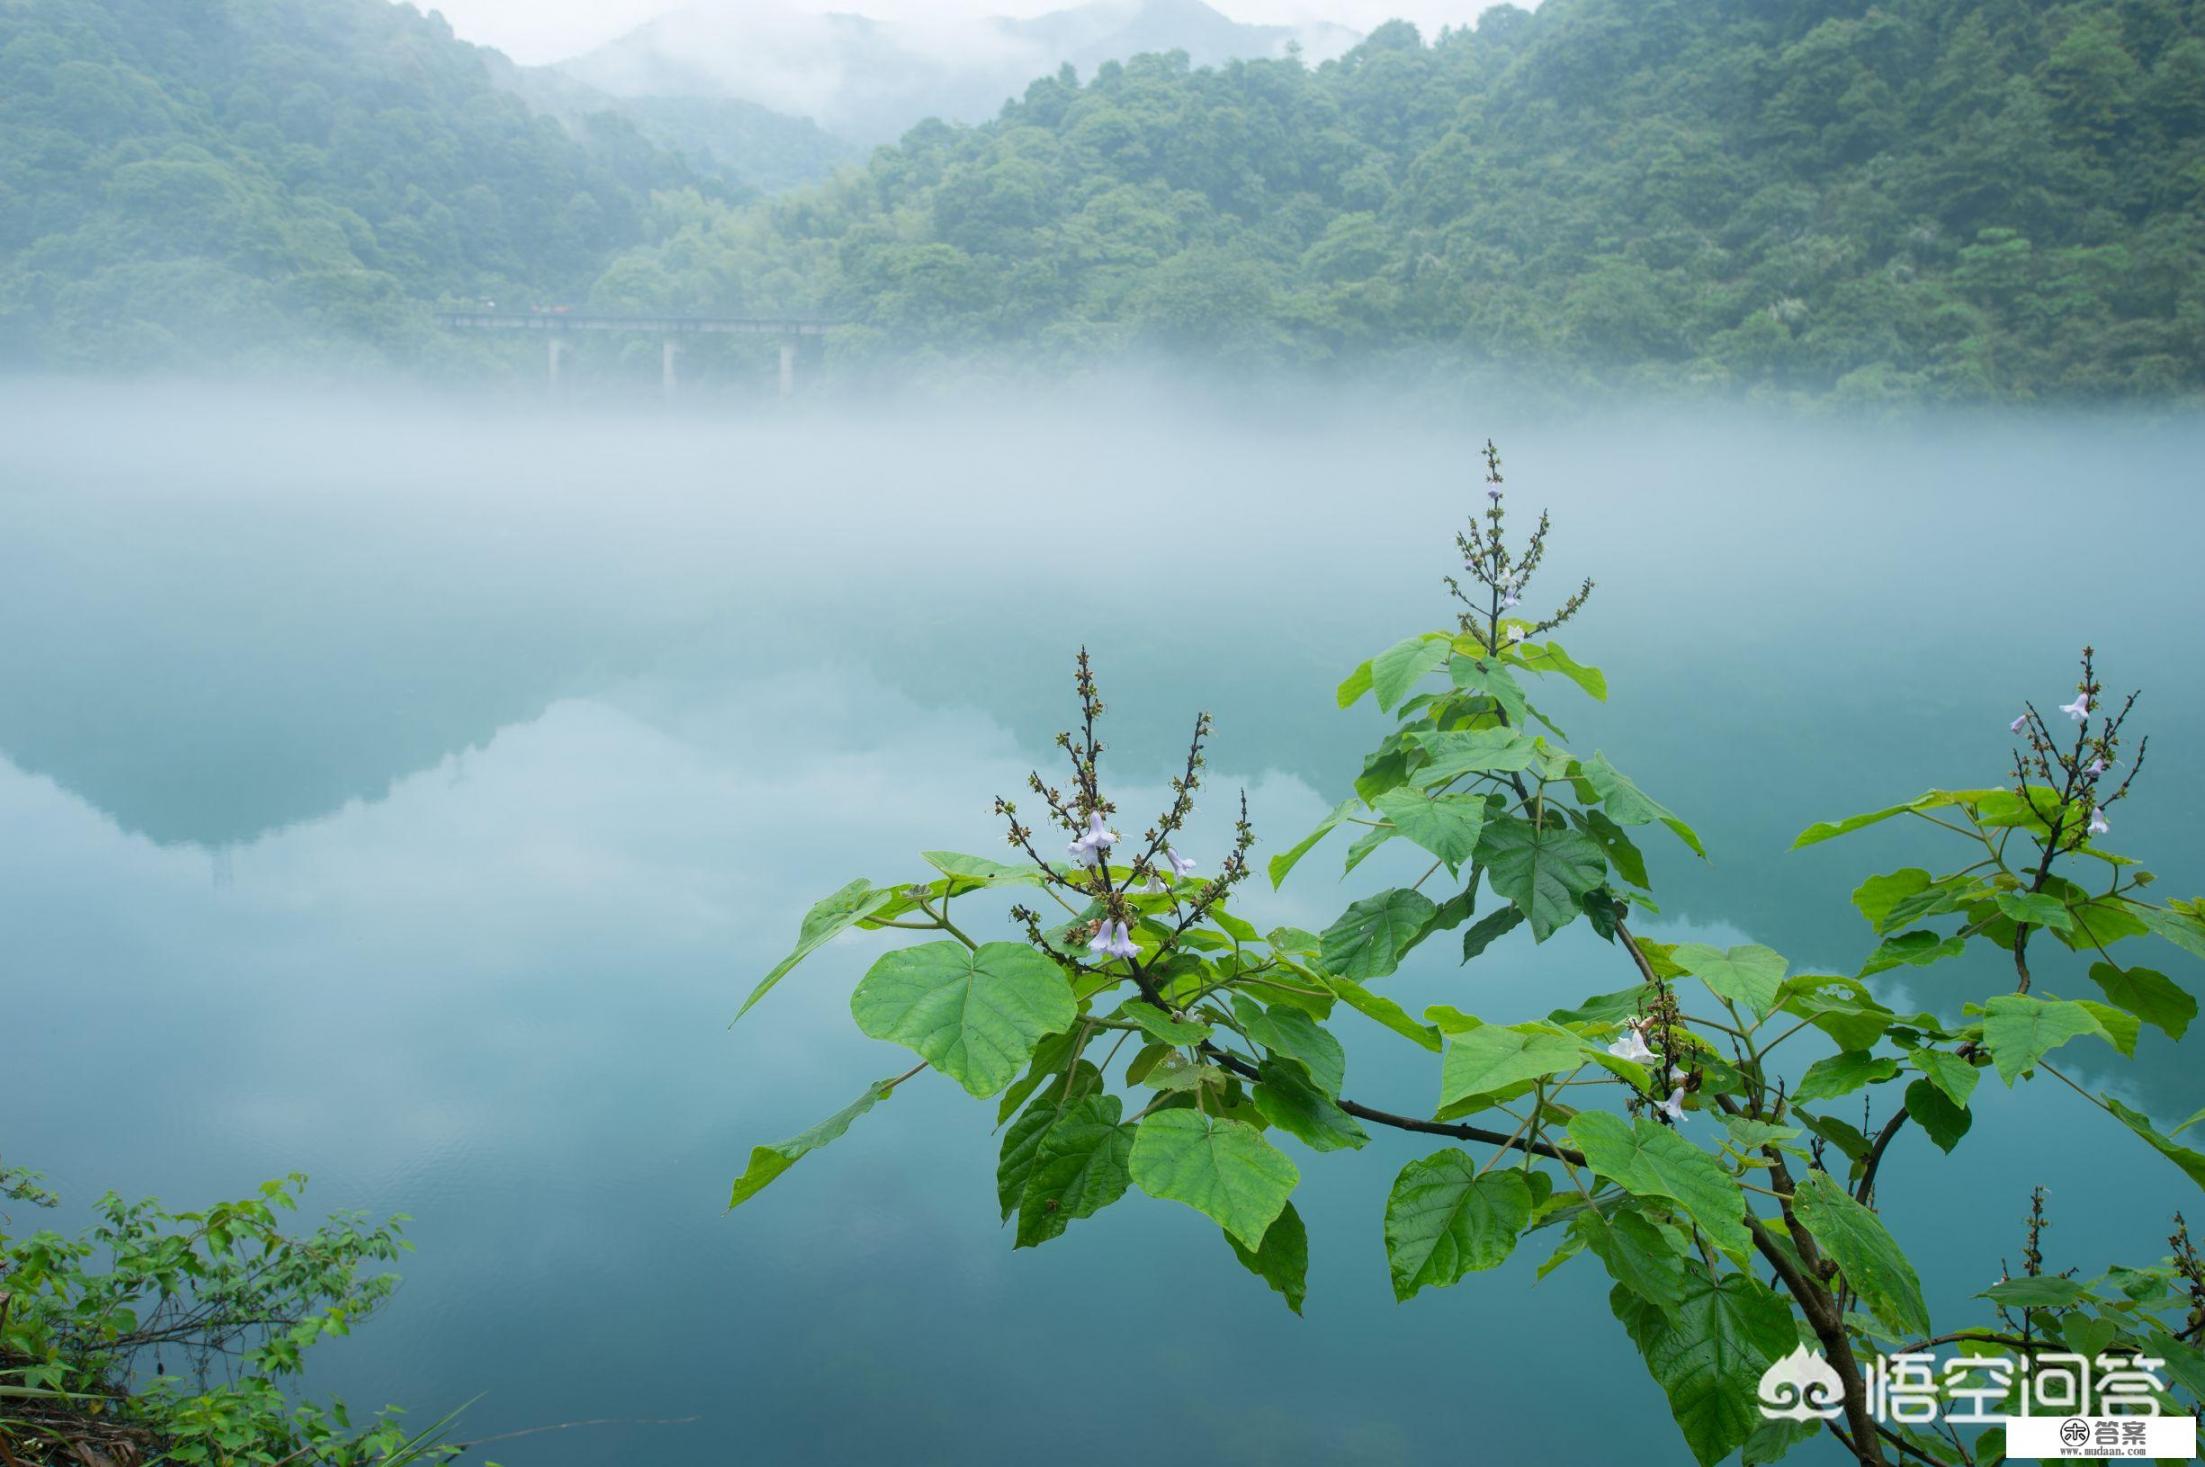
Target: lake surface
x=410, y=798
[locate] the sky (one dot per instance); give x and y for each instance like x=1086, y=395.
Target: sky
x=535, y=31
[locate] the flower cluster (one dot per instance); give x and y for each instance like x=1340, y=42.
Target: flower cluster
x=2062, y=779
x=1506, y=576
x=1111, y=915
x=1090, y=848
x=1111, y=940
x=1633, y=1047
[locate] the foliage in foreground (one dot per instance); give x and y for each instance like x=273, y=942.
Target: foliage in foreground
x=170, y=1337
x=1670, y=1131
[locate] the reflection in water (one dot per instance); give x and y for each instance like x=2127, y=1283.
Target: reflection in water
x=414, y=809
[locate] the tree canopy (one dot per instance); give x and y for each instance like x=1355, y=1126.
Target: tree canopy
x=1917, y=198
x=1809, y=199
x=185, y=185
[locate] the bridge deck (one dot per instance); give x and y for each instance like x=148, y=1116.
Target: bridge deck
x=649, y=325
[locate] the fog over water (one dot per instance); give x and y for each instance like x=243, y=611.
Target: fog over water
x=408, y=794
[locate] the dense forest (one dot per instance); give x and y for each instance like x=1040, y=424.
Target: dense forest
x=1806, y=198
x=1917, y=198
x=241, y=181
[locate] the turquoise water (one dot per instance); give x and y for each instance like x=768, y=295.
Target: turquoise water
x=410, y=798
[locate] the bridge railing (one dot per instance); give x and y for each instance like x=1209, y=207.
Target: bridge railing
x=556, y=325
x=647, y=325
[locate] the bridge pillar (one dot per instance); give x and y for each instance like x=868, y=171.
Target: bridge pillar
x=557, y=350
x=668, y=353
x=788, y=366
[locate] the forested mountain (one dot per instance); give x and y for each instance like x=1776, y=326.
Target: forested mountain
x=1916, y=198
x=1942, y=198
x=868, y=80
x=225, y=181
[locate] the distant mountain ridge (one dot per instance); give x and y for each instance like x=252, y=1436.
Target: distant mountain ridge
x=869, y=81
x=740, y=143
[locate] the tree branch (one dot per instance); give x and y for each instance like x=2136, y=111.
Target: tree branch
x=1866, y=1188
x=1453, y=1129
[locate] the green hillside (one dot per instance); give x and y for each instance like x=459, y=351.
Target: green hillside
x=1919, y=198
x=227, y=182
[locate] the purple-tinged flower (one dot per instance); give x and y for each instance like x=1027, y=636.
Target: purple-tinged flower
x=1089, y=848
x=2095, y=767
x=1509, y=599
x=2098, y=825
x=2018, y=724
x=1632, y=1047
x=1494, y=493
x=2079, y=709
x=1673, y=1107
x=1179, y=865
x=1120, y=944
x=1099, y=944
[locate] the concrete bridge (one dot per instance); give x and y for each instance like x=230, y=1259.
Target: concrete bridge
x=557, y=327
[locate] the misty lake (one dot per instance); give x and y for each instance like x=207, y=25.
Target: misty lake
x=409, y=797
